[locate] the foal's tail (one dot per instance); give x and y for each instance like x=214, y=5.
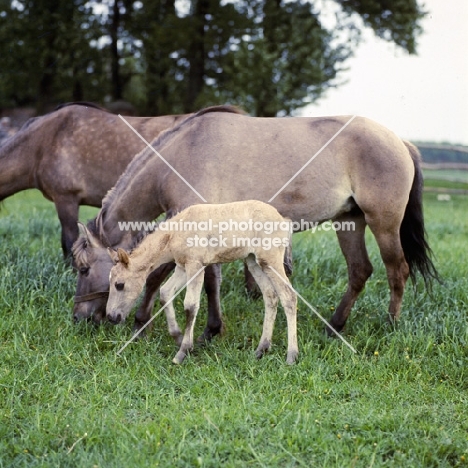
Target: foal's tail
x=288, y=260
x=413, y=235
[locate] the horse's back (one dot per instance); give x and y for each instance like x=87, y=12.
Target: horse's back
x=307, y=167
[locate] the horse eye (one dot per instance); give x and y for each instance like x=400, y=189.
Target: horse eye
x=84, y=270
x=119, y=286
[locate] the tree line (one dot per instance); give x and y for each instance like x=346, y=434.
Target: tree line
x=172, y=56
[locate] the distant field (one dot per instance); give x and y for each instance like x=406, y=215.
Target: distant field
x=445, y=178
x=446, y=174
x=67, y=399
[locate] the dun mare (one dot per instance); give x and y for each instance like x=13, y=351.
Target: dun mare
x=73, y=155
x=367, y=175
x=262, y=248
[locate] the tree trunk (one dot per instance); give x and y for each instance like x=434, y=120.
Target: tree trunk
x=196, y=54
x=117, y=87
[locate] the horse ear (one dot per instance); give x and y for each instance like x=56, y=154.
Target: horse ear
x=82, y=229
x=85, y=233
x=113, y=255
x=123, y=256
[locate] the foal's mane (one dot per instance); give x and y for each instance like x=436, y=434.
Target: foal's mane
x=140, y=160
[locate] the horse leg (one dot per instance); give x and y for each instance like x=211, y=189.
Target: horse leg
x=353, y=246
x=251, y=286
x=270, y=299
x=154, y=280
x=288, y=298
x=166, y=296
x=191, y=306
x=67, y=210
x=215, y=324
x=387, y=235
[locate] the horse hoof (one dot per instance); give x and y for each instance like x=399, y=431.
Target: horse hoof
x=332, y=332
x=393, y=321
x=254, y=293
x=179, y=358
x=209, y=333
x=178, y=339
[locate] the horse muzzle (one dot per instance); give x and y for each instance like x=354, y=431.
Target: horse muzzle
x=90, y=306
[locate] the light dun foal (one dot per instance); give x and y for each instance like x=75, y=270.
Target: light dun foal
x=249, y=230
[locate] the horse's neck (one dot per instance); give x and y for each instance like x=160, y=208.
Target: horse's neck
x=18, y=160
x=114, y=222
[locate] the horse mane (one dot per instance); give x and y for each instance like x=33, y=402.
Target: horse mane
x=163, y=136
x=140, y=160
x=81, y=103
x=80, y=246
x=31, y=120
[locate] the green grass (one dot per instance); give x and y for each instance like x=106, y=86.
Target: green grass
x=66, y=399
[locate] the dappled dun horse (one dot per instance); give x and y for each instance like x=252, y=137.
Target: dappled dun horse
x=366, y=175
x=73, y=155
x=263, y=250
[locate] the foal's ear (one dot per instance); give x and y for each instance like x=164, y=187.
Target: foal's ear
x=164, y=241
x=123, y=256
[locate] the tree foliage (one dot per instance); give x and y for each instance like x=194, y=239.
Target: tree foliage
x=268, y=56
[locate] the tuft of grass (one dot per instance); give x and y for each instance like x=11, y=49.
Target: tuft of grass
x=67, y=399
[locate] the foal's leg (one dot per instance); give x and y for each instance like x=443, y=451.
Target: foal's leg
x=175, y=282
x=275, y=272
x=215, y=323
x=353, y=246
x=270, y=299
x=191, y=306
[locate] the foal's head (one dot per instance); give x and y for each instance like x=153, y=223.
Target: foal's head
x=126, y=283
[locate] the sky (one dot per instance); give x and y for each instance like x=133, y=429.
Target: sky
x=421, y=98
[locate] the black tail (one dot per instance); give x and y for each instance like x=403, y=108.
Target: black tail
x=412, y=232
x=288, y=260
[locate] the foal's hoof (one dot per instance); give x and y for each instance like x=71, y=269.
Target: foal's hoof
x=262, y=349
x=179, y=357
x=291, y=358
x=259, y=354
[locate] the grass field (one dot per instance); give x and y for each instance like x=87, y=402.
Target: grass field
x=67, y=399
